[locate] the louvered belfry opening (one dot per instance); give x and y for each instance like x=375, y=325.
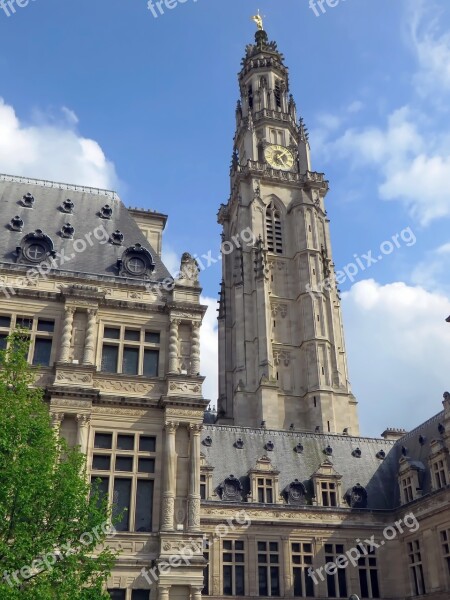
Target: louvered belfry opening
x=273, y=230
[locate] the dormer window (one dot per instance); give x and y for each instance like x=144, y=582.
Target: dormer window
x=67, y=231
x=264, y=482
x=67, y=206
x=106, y=212
x=28, y=200
x=410, y=478
x=16, y=224
x=116, y=238
x=327, y=485
x=438, y=462
x=35, y=248
x=136, y=261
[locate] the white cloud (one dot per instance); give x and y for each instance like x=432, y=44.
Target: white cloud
x=398, y=350
x=52, y=149
x=431, y=46
x=431, y=272
x=209, y=350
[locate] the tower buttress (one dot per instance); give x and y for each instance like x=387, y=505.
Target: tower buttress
x=282, y=358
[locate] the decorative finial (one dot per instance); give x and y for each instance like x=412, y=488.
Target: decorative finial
x=259, y=21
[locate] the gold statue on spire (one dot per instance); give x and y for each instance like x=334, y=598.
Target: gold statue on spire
x=258, y=20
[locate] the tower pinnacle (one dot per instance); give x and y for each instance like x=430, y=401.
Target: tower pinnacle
x=259, y=21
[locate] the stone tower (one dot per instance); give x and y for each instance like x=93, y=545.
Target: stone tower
x=282, y=358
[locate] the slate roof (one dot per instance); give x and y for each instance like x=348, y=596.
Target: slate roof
x=98, y=260
x=379, y=477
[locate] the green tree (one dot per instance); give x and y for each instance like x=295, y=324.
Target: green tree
x=52, y=523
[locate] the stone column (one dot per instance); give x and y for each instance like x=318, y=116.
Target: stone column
x=163, y=592
x=195, y=349
x=89, y=346
x=66, y=338
x=83, y=421
x=57, y=419
x=170, y=478
x=194, y=479
x=196, y=592
x=173, y=346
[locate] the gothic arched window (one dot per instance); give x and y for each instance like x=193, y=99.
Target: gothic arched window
x=273, y=230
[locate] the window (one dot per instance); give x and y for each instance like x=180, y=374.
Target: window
x=445, y=541
x=302, y=560
x=337, y=583
x=407, y=490
x=125, y=465
x=368, y=575
x=439, y=474
x=130, y=351
x=205, y=591
x=268, y=569
x=40, y=335
x=277, y=93
x=117, y=594
x=273, y=230
x=328, y=490
x=250, y=97
x=265, y=490
x=233, y=568
x=416, y=568
x=203, y=487
x=140, y=594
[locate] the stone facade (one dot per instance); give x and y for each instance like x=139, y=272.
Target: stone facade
x=260, y=498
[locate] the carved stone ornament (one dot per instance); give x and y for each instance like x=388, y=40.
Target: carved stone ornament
x=230, y=490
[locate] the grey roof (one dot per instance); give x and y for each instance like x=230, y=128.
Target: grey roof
x=98, y=260
x=379, y=477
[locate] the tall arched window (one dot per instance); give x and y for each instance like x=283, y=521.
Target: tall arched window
x=273, y=230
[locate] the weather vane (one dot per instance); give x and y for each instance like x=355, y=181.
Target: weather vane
x=259, y=21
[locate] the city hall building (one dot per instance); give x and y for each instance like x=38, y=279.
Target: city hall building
x=276, y=493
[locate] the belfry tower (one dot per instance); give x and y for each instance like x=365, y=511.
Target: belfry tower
x=282, y=358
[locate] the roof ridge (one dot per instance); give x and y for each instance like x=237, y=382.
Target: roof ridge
x=62, y=186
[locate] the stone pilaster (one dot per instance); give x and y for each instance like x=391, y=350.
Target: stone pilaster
x=57, y=419
x=89, y=346
x=194, y=479
x=83, y=422
x=163, y=592
x=196, y=592
x=66, y=338
x=168, y=506
x=173, y=346
x=195, y=349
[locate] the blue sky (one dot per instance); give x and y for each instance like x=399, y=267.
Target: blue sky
x=102, y=93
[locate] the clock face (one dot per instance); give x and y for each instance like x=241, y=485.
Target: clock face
x=279, y=157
